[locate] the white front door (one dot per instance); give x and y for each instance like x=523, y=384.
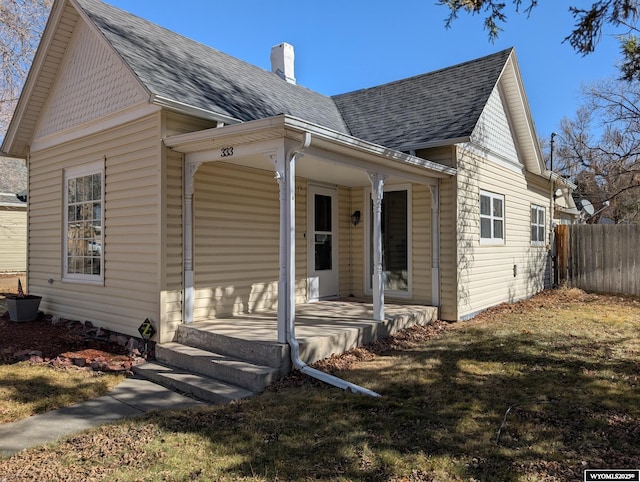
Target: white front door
x=322, y=234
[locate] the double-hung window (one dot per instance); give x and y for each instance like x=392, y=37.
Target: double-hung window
x=537, y=225
x=491, y=218
x=83, y=223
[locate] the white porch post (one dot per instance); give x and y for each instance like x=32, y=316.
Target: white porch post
x=435, y=244
x=187, y=305
x=285, y=175
x=377, y=279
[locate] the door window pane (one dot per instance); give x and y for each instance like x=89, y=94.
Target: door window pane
x=323, y=252
x=322, y=213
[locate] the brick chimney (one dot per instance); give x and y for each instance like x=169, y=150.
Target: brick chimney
x=282, y=61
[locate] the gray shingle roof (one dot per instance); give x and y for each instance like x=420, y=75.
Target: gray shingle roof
x=186, y=71
x=441, y=105
x=445, y=104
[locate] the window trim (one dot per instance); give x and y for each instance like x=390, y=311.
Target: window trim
x=367, y=242
x=96, y=167
x=537, y=225
x=493, y=240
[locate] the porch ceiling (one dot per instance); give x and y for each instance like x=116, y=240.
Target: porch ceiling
x=331, y=157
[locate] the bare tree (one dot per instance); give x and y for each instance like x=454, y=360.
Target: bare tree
x=21, y=26
x=600, y=149
x=618, y=17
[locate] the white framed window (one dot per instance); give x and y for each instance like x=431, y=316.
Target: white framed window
x=396, y=241
x=538, y=225
x=83, y=223
x=491, y=218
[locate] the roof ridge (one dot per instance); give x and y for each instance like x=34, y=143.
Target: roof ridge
x=431, y=72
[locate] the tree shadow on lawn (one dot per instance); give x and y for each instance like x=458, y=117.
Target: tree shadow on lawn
x=442, y=409
x=570, y=403
x=32, y=393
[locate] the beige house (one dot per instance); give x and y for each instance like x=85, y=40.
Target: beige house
x=172, y=182
x=13, y=216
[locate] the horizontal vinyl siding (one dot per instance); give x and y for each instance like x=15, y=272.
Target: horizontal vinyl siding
x=236, y=257
x=448, y=232
x=344, y=241
x=131, y=228
x=421, y=215
x=301, y=240
x=181, y=124
x=487, y=272
x=441, y=155
x=358, y=236
x=13, y=240
x=448, y=250
x=172, y=255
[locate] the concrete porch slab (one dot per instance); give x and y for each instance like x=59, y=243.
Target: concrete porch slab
x=324, y=328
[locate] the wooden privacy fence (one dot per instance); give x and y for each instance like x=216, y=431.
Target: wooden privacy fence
x=603, y=258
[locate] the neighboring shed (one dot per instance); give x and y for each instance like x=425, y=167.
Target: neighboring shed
x=13, y=216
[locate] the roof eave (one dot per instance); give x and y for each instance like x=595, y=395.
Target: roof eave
x=291, y=124
x=436, y=143
x=367, y=147
x=555, y=177
x=182, y=108
x=7, y=147
x=529, y=135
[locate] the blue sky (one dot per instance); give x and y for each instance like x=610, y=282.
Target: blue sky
x=347, y=45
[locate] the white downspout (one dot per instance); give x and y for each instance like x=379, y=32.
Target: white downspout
x=286, y=177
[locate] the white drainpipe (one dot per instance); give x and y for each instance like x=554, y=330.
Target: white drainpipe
x=287, y=180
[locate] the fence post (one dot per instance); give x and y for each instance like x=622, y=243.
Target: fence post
x=562, y=254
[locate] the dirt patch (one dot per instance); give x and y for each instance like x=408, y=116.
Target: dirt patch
x=67, y=343
x=62, y=342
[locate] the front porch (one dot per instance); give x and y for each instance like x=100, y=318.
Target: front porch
x=322, y=328
x=232, y=358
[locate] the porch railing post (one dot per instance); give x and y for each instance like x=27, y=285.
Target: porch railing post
x=377, y=277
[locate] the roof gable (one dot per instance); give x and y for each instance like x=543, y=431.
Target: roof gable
x=180, y=69
x=426, y=109
x=93, y=82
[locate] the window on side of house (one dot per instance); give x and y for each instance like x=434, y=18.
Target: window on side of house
x=83, y=223
x=537, y=225
x=491, y=218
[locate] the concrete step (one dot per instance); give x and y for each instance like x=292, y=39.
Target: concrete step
x=199, y=386
x=274, y=355
x=221, y=367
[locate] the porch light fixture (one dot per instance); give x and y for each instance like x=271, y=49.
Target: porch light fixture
x=355, y=218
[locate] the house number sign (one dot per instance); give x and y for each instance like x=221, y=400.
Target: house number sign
x=226, y=152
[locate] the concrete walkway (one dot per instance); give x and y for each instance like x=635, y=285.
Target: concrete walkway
x=132, y=397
